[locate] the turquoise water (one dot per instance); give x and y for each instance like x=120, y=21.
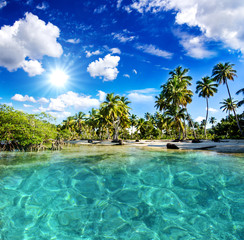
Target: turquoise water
x=121, y=193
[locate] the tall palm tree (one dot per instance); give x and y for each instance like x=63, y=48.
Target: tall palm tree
x=222, y=73
x=240, y=103
x=228, y=105
x=206, y=88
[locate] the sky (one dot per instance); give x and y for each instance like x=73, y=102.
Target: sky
x=123, y=46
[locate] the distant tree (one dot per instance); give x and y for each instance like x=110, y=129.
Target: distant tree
x=228, y=105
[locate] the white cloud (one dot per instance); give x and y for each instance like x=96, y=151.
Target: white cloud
x=139, y=98
x=134, y=71
x=73, y=40
x=199, y=119
x=217, y=21
x=102, y=96
x=126, y=75
x=100, y=9
x=213, y=110
x=32, y=67
x=194, y=46
x=72, y=99
x=43, y=100
x=21, y=98
x=8, y=104
x=153, y=50
x=3, y=4
x=42, y=6
x=29, y=39
x=122, y=37
x=1, y=98
x=89, y=54
x=115, y=50
x=27, y=106
x=105, y=68
x=119, y=3
x=145, y=91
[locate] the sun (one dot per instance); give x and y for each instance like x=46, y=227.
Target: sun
x=58, y=78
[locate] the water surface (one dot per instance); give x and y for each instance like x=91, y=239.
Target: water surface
x=121, y=193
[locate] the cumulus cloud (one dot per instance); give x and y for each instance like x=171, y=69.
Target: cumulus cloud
x=218, y=22
x=153, y=50
x=26, y=42
x=89, y=54
x=73, y=40
x=3, y=4
x=21, y=98
x=32, y=67
x=105, y=68
x=102, y=96
x=72, y=99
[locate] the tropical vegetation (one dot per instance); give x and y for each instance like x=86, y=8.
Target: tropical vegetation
x=113, y=120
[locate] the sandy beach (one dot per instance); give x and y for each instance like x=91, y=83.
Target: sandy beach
x=224, y=146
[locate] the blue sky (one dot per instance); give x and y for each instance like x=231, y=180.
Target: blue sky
x=123, y=46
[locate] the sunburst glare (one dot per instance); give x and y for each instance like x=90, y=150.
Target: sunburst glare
x=58, y=78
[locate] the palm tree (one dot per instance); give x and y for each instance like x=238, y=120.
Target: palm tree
x=116, y=111
x=212, y=120
x=240, y=103
x=222, y=73
x=175, y=92
x=177, y=116
x=228, y=105
x=133, y=122
x=206, y=88
x=80, y=120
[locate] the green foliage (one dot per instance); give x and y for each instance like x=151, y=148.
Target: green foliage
x=25, y=129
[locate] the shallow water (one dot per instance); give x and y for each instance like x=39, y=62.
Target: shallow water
x=121, y=193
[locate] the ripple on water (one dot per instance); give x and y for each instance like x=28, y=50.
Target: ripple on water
x=122, y=193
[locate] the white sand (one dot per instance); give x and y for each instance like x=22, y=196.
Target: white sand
x=225, y=146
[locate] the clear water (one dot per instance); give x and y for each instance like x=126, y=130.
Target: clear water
x=121, y=193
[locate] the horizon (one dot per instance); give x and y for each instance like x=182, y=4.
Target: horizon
x=125, y=47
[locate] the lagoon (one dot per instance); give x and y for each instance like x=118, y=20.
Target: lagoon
x=121, y=192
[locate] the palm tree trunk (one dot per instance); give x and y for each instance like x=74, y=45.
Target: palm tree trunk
x=238, y=124
x=205, y=128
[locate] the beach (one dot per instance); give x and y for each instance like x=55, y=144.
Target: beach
x=224, y=146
